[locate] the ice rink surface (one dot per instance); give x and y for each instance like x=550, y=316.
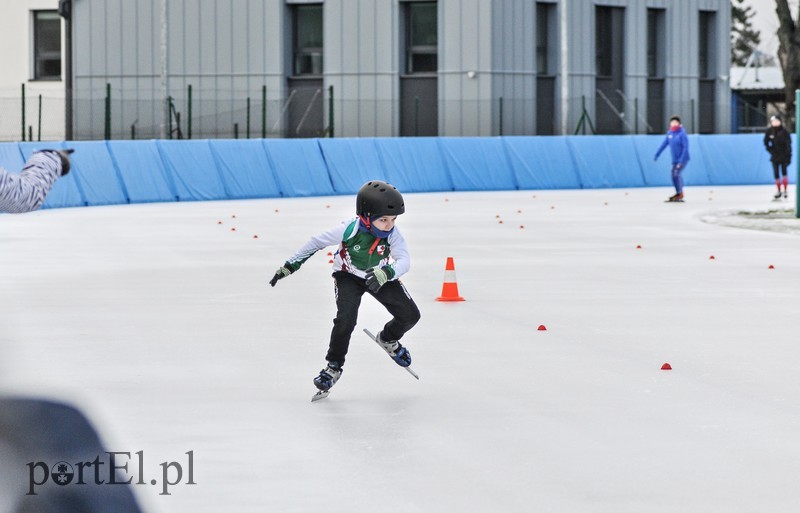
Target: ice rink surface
x=158, y=321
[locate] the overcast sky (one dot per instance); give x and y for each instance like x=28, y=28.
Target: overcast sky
x=766, y=21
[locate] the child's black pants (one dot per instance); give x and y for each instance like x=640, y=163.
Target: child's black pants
x=349, y=289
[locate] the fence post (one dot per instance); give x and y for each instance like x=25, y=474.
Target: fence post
x=636, y=115
x=169, y=117
x=189, y=112
x=236, y=130
x=330, y=111
x=23, y=112
x=263, y=111
x=108, y=112
x=691, y=108
x=133, y=131
x=39, y=136
x=248, y=117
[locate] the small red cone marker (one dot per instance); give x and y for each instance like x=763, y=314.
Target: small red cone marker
x=330, y=261
x=522, y=227
x=712, y=257
x=219, y=222
x=638, y=246
x=500, y=221
x=497, y=216
x=234, y=216
x=330, y=254
x=519, y=211
x=276, y=210
x=541, y=328
x=771, y=266
x=666, y=366
x=233, y=229
x=255, y=236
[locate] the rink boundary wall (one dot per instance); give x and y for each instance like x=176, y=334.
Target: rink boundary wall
x=120, y=172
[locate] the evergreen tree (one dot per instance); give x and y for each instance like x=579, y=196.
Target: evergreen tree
x=744, y=38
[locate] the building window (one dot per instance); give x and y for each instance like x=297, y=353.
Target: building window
x=307, y=21
x=46, y=45
x=603, y=41
x=655, y=43
x=707, y=33
x=544, y=12
x=421, y=37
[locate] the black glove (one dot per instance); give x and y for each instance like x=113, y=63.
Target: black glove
x=281, y=273
x=376, y=279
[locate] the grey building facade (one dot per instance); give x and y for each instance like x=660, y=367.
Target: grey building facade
x=352, y=68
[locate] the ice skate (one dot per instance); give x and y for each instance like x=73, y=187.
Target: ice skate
x=777, y=196
x=675, y=198
x=396, y=351
x=328, y=376
x=785, y=194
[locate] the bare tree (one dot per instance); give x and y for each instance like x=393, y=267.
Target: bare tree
x=789, y=53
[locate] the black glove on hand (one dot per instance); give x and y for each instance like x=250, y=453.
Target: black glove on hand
x=376, y=278
x=280, y=274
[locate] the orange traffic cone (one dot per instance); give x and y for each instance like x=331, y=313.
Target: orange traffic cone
x=450, y=287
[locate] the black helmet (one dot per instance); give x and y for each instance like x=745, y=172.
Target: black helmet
x=378, y=198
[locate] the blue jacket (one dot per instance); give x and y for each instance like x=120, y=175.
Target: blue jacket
x=678, y=146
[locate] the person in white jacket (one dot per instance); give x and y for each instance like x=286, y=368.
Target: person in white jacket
x=27, y=190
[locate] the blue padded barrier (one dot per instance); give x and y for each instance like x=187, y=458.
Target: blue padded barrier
x=66, y=192
x=10, y=157
x=697, y=171
x=244, y=168
x=94, y=170
x=477, y=163
x=117, y=172
x=141, y=171
x=300, y=169
x=655, y=174
x=351, y=163
x=542, y=162
x=740, y=160
x=414, y=164
x=606, y=161
x=193, y=170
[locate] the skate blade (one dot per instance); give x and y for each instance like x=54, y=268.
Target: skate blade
x=375, y=338
x=322, y=394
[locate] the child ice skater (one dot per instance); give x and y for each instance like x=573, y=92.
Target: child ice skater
x=679, y=148
x=778, y=143
x=371, y=257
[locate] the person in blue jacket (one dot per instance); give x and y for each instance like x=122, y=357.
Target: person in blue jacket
x=679, y=147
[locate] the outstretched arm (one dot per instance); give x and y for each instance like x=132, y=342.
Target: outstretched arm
x=26, y=191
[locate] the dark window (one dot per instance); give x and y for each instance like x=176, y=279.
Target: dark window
x=707, y=37
x=543, y=35
x=46, y=45
x=308, y=39
x=604, y=41
x=655, y=43
x=421, y=37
